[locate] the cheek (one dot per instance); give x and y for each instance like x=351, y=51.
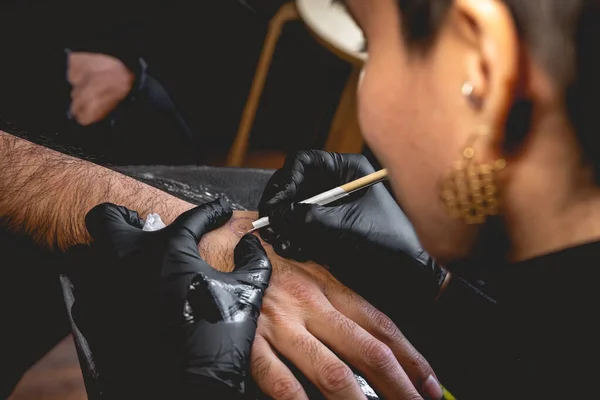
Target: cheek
x=376, y=111
x=405, y=123
x=390, y=122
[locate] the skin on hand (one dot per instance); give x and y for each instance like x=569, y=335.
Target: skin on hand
x=100, y=82
x=314, y=321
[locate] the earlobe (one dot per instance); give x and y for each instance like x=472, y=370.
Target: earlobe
x=494, y=68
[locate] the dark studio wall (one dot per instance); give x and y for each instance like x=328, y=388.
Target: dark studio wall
x=216, y=58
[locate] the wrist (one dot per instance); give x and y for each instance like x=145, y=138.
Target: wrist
x=173, y=208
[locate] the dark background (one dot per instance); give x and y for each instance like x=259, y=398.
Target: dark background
x=204, y=54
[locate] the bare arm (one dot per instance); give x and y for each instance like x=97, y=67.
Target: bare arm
x=46, y=194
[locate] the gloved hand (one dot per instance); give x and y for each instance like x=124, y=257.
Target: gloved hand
x=205, y=319
x=365, y=238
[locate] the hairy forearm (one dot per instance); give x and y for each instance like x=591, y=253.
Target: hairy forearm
x=46, y=194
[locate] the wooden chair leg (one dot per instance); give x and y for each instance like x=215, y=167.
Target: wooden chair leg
x=287, y=12
x=345, y=135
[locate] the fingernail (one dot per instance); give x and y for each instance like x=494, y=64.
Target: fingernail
x=432, y=389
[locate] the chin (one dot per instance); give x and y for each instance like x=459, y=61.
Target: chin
x=450, y=246
x=447, y=255
x=482, y=248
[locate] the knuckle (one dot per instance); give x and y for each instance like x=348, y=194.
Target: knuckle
x=301, y=292
x=336, y=377
x=350, y=295
x=260, y=368
x=286, y=389
x=303, y=156
x=377, y=355
x=307, y=345
x=280, y=388
x=362, y=162
x=319, y=274
x=342, y=323
x=384, y=327
x=419, y=364
x=272, y=313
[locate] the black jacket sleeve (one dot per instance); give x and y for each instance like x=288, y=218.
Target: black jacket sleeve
x=118, y=29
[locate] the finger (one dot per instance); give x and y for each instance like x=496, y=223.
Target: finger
x=193, y=224
x=85, y=106
x=316, y=171
x=108, y=214
x=201, y=299
x=288, y=184
x=77, y=91
x=74, y=67
x=287, y=230
x=91, y=110
x=251, y=259
x=383, y=328
x=324, y=369
x=271, y=375
x=100, y=105
x=360, y=349
x=358, y=165
x=115, y=227
x=303, y=230
x=74, y=73
x=77, y=107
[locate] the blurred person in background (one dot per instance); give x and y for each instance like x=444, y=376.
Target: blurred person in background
x=76, y=65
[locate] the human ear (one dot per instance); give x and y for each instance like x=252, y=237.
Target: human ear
x=494, y=61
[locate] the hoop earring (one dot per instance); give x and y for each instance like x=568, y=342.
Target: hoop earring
x=470, y=190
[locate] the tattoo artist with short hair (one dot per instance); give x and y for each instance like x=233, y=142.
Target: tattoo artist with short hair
x=485, y=114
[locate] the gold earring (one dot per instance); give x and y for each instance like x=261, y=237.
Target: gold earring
x=470, y=190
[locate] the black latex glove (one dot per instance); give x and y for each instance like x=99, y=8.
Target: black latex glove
x=157, y=281
x=365, y=238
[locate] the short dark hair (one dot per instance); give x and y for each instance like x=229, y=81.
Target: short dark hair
x=560, y=35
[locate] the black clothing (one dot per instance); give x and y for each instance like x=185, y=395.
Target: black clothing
x=32, y=310
x=520, y=331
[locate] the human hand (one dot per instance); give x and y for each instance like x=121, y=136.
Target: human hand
x=207, y=317
x=315, y=322
x=100, y=82
x=366, y=228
